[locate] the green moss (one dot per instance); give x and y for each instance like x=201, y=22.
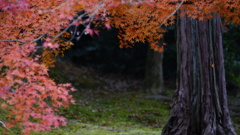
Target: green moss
x=77, y=128
x=97, y=112
x=120, y=113
x=118, y=107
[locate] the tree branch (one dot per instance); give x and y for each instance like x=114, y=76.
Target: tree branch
x=50, y=10
x=78, y=18
x=172, y=13
x=35, y=40
x=16, y=40
x=4, y=126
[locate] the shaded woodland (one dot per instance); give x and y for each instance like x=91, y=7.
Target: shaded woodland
x=133, y=66
x=120, y=67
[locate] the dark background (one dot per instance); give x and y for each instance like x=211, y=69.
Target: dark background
x=104, y=55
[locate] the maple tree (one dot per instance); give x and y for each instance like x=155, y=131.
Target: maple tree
x=26, y=89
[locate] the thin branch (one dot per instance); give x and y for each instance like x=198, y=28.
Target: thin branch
x=4, y=126
x=78, y=18
x=51, y=10
x=172, y=13
x=35, y=40
x=61, y=33
x=75, y=30
x=88, y=26
x=38, y=47
x=14, y=40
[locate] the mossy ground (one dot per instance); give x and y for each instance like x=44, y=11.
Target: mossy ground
x=119, y=113
x=102, y=109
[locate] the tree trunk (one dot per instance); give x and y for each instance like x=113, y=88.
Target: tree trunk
x=154, y=82
x=200, y=101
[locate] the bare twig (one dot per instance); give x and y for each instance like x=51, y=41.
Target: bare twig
x=4, y=126
x=75, y=21
x=35, y=40
x=172, y=13
x=75, y=30
x=51, y=10
x=88, y=26
x=61, y=33
x=16, y=40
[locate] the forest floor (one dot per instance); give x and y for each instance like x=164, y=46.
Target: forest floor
x=113, y=114
x=112, y=105
x=108, y=104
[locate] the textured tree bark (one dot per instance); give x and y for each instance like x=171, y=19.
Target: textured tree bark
x=154, y=82
x=200, y=101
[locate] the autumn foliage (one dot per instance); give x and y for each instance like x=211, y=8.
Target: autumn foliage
x=27, y=92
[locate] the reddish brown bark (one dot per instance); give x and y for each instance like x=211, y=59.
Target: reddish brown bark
x=200, y=101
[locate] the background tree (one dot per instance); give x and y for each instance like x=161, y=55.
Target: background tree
x=154, y=81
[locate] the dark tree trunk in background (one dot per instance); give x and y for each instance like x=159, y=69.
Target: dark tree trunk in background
x=154, y=82
x=200, y=101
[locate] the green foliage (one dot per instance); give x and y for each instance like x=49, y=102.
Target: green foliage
x=4, y=117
